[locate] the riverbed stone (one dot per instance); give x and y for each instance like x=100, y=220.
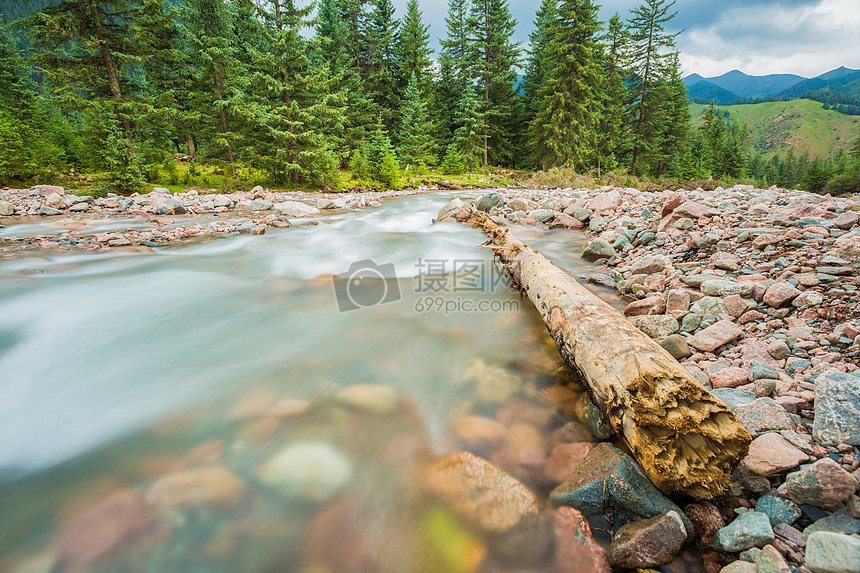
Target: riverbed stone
x=296, y=209
x=194, y=487
x=101, y=530
x=480, y=493
x=706, y=520
x=716, y=335
x=780, y=294
x=650, y=265
x=822, y=484
x=771, y=454
x=778, y=509
x=730, y=377
x=734, y=397
x=654, y=304
x=609, y=482
x=7, y=209
x=676, y=345
x=598, y=249
x=832, y=553
x=723, y=287
x=648, y=543
x=564, y=459
x=310, y=471
x=576, y=551
x=490, y=200
x=260, y=205
x=763, y=415
x=839, y=522
x=769, y=560
x=656, y=325
x=451, y=209
x=750, y=529
x=837, y=407
x=373, y=398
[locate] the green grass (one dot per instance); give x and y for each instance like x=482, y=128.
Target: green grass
x=216, y=179
x=802, y=125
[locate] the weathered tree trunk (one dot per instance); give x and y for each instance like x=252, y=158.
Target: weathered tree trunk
x=685, y=439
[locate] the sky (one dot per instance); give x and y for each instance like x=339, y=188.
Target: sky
x=757, y=37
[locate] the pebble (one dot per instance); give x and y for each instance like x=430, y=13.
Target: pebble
x=750, y=529
x=648, y=543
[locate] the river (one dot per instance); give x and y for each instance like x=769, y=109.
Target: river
x=124, y=374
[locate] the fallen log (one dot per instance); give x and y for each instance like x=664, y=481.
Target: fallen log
x=684, y=438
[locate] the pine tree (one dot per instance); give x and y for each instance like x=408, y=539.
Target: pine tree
x=564, y=133
x=456, y=43
x=651, y=49
x=415, y=128
x=492, y=57
x=355, y=17
x=414, y=49
x=666, y=125
x=208, y=32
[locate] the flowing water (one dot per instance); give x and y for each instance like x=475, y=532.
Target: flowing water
x=229, y=406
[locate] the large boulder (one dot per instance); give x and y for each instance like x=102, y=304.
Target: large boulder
x=480, y=493
x=848, y=246
x=296, y=209
x=751, y=529
x=822, y=484
x=609, y=482
x=837, y=407
x=832, y=553
x=490, y=200
x=598, y=249
x=450, y=209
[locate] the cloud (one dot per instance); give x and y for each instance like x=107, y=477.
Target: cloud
x=770, y=38
x=805, y=37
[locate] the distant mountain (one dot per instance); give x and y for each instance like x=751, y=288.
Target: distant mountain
x=755, y=86
x=837, y=73
x=693, y=79
x=707, y=91
x=839, y=80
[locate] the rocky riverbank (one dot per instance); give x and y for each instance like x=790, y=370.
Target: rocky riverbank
x=754, y=291
x=161, y=217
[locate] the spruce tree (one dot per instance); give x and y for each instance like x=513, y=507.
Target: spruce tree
x=456, y=42
x=468, y=136
x=414, y=50
x=651, y=49
x=612, y=142
x=564, y=133
x=492, y=58
x=209, y=33
x=539, y=40
x=86, y=50
x=383, y=65
x=415, y=128
x=447, y=93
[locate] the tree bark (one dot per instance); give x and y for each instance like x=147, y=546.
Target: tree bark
x=684, y=439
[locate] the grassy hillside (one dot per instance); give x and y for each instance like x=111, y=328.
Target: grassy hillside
x=799, y=124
